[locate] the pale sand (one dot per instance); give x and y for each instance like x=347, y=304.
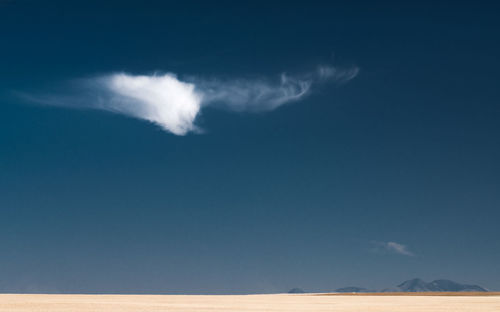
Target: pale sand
x=250, y=303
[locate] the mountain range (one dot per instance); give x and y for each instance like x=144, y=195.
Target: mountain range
x=418, y=285
x=413, y=285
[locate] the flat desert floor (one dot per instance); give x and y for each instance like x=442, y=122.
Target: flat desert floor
x=247, y=303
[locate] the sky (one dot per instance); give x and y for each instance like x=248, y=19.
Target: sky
x=224, y=147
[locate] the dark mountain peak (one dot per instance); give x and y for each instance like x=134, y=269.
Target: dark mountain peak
x=296, y=291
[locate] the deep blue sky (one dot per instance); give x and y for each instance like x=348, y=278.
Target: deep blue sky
x=303, y=196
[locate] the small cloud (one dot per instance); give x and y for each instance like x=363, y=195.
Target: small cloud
x=392, y=247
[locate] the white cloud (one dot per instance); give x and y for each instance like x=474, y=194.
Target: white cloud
x=163, y=100
x=393, y=247
x=174, y=104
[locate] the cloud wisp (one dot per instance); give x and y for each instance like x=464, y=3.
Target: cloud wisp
x=392, y=247
x=174, y=104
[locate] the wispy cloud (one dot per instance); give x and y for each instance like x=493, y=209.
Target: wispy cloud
x=392, y=247
x=174, y=103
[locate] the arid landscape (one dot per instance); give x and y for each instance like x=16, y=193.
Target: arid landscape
x=483, y=302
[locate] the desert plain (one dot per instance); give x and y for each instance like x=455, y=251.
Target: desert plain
x=251, y=303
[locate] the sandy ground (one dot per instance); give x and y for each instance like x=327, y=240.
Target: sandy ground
x=250, y=303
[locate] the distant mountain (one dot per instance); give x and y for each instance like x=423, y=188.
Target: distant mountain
x=296, y=291
x=352, y=290
x=418, y=285
x=453, y=286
